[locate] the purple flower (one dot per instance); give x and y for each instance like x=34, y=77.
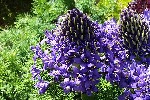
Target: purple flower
x=42, y=85
x=80, y=51
x=73, y=57
x=134, y=31
x=139, y=87
x=35, y=71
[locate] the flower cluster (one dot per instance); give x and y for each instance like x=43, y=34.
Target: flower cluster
x=134, y=30
x=115, y=54
x=74, y=56
x=135, y=33
x=80, y=51
x=139, y=89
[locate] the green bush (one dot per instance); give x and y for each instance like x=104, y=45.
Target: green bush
x=16, y=56
x=102, y=10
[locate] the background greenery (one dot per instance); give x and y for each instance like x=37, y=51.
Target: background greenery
x=27, y=21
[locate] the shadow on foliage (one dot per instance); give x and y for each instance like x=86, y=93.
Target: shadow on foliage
x=11, y=8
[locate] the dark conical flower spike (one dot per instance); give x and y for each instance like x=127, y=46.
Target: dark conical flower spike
x=77, y=29
x=135, y=33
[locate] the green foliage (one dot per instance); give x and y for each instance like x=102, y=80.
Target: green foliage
x=16, y=56
x=14, y=73
x=109, y=9
x=16, y=59
x=50, y=10
x=106, y=92
x=102, y=10
x=87, y=6
x=122, y=3
x=70, y=4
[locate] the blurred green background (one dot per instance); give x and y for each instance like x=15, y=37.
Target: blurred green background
x=22, y=24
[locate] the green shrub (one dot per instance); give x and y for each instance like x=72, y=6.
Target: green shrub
x=102, y=10
x=16, y=56
x=48, y=11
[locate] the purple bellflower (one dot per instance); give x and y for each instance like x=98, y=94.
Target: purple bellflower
x=73, y=57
